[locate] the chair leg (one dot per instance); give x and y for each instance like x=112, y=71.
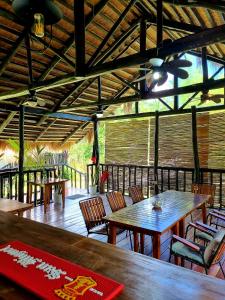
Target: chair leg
x=206, y=271
x=170, y=257
x=221, y=267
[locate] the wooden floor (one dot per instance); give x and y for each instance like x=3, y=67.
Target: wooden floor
x=71, y=219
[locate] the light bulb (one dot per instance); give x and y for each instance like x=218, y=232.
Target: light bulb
x=157, y=75
x=39, y=25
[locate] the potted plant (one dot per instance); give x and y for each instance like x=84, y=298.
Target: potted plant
x=94, y=182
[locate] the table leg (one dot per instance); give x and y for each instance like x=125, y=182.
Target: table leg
x=46, y=192
x=175, y=230
x=29, y=199
x=204, y=213
x=136, y=244
x=181, y=233
x=112, y=234
x=63, y=193
x=142, y=242
x=156, y=245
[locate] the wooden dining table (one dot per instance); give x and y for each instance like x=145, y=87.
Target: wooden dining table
x=144, y=278
x=47, y=185
x=14, y=206
x=143, y=218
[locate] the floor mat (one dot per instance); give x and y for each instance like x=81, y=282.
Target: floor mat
x=75, y=197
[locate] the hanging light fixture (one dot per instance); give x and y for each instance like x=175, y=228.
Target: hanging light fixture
x=36, y=14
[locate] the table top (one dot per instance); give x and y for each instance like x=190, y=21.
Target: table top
x=143, y=277
x=175, y=206
x=49, y=181
x=8, y=205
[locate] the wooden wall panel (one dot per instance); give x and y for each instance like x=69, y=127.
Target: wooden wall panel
x=126, y=142
x=175, y=140
x=217, y=141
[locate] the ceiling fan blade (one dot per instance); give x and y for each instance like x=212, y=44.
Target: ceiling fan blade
x=138, y=68
x=149, y=80
x=183, y=74
x=179, y=63
x=162, y=79
x=217, y=96
x=144, y=77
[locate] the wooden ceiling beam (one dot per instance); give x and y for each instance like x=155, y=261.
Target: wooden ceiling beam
x=97, y=8
x=193, y=41
x=110, y=33
x=127, y=83
x=73, y=133
x=208, y=85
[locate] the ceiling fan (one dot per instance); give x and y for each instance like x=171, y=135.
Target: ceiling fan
x=206, y=96
x=157, y=74
x=217, y=98
x=33, y=100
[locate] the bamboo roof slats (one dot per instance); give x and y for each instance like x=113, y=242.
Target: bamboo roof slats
x=101, y=18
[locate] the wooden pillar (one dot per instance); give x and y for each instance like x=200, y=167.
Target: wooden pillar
x=79, y=21
x=156, y=152
x=95, y=143
x=195, y=146
x=21, y=154
x=176, y=97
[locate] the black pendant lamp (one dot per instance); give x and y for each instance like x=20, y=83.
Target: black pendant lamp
x=37, y=14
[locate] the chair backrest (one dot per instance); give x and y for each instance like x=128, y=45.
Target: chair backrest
x=214, y=247
x=136, y=193
x=93, y=211
x=205, y=189
x=116, y=200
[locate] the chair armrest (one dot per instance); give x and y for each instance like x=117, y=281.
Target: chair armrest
x=186, y=243
x=199, y=227
x=217, y=216
x=219, y=213
x=207, y=227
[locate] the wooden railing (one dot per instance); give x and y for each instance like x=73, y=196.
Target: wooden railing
x=9, y=180
x=78, y=179
x=123, y=176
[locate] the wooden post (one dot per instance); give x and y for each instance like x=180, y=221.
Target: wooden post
x=79, y=22
x=21, y=154
x=195, y=146
x=156, y=153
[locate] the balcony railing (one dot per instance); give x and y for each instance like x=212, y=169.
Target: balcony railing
x=9, y=180
x=177, y=178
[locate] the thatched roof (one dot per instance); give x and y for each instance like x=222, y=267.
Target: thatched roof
x=100, y=17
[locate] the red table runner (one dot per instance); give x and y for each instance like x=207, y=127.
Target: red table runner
x=51, y=277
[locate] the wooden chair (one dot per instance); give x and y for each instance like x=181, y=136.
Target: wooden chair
x=203, y=256
x=116, y=200
x=205, y=189
x=216, y=218
x=93, y=212
x=136, y=193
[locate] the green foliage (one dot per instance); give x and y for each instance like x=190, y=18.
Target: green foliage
x=80, y=154
x=33, y=157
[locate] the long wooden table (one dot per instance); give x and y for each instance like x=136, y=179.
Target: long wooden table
x=47, y=188
x=14, y=206
x=143, y=218
x=144, y=278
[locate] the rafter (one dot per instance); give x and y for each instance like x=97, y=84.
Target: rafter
x=110, y=33
x=209, y=85
x=97, y=8
x=198, y=40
